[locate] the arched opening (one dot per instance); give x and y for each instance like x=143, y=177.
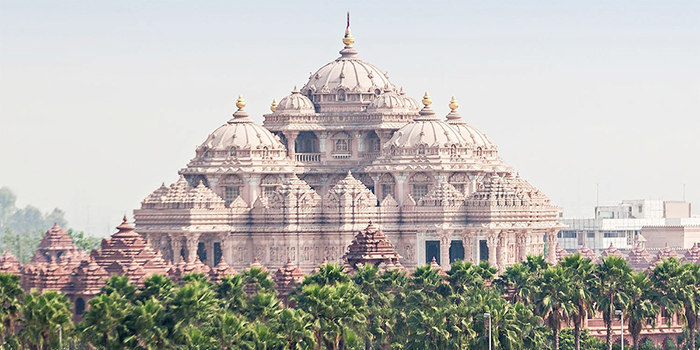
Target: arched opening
x=306, y=142
x=342, y=143
x=372, y=143
x=231, y=185
x=421, y=149
x=341, y=95
x=420, y=185
x=456, y=251
x=459, y=181
x=79, y=306
x=194, y=180
x=432, y=251
x=269, y=184
x=387, y=183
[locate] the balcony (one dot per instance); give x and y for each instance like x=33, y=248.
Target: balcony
x=308, y=157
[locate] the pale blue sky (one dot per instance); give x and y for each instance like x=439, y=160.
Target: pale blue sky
x=101, y=101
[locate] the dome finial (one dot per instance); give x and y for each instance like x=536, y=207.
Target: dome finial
x=427, y=101
x=454, y=104
x=240, y=103
x=274, y=105
x=348, y=39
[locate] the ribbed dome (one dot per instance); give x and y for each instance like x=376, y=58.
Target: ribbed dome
x=389, y=101
x=426, y=129
x=242, y=133
x=349, y=73
x=295, y=103
x=468, y=132
x=410, y=102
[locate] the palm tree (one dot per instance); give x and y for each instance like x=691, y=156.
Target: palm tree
x=295, y=326
x=581, y=275
x=104, y=324
x=613, y=279
x=262, y=307
x=231, y=293
x=640, y=309
x=231, y=331
x=328, y=274
x=334, y=309
x=157, y=286
x=11, y=295
x=193, y=304
x=120, y=284
x=43, y=316
x=518, y=283
x=678, y=287
x=146, y=324
x=554, y=300
x=507, y=328
x=464, y=275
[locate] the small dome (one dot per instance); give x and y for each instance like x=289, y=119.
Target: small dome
x=241, y=133
x=426, y=129
x=388, y=101
x=470, y=133
x=295, y=103
x=410, y=102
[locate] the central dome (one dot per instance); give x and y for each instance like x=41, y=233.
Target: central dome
x=348, y=80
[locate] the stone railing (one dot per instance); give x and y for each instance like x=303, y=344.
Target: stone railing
x=308, y=157
x=370, y=156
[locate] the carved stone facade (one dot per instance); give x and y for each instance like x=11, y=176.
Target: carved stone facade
x=347, y=148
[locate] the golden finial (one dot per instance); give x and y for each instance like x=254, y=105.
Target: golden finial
x=454, y=104
x=348, y=39
x=241, y=102
x=427, y=101
x=274, y=105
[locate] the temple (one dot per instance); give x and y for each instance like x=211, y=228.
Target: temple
x=347, y=148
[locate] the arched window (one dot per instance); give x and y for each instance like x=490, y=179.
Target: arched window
x=342, y=143
x=388, y=183
x=453, y=150
x=232, y=185
x=265, y=153
x=196, y=179
x=341, y=95
x=233, y=152
x=269, y=184
x=421, y=149
x=420, y=185
x=460, y=181
x=479, y=152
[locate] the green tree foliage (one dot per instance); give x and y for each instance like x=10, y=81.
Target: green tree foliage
x=528, y=306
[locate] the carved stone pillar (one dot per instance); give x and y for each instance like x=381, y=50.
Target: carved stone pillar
x=176, y=246
x=291, y=143
x=400, y=184
x=552, y=246
x=522, y=245
x=445, y=250
x=492, y=244
x=502, y=250
x=210, y=252
x=253, y=188
x=164, y=247
x=468, y=241
x=360, y=137
x=192, y=241
x=322, y=137
x=225, y=248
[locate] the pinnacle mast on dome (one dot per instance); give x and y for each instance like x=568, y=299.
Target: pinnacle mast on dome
x=348, y=41
x=240, y=116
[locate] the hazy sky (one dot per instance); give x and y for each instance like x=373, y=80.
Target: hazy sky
x=101, y=101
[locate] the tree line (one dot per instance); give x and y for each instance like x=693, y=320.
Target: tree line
x=369, y=309
x=21, y=229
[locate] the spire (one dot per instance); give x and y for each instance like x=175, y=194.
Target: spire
x=426, y=113
x=348, y=41
x=274, y=105
x=454, y=117
x=241, y=116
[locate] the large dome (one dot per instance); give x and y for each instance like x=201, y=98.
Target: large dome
x=348, y=73
x=426, y=130
x=241, y=133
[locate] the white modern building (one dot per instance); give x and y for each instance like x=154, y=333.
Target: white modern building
x=620, y=224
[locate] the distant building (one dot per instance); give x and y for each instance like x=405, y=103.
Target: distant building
x=620, y=225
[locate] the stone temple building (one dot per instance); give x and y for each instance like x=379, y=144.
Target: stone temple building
x=347, y=148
